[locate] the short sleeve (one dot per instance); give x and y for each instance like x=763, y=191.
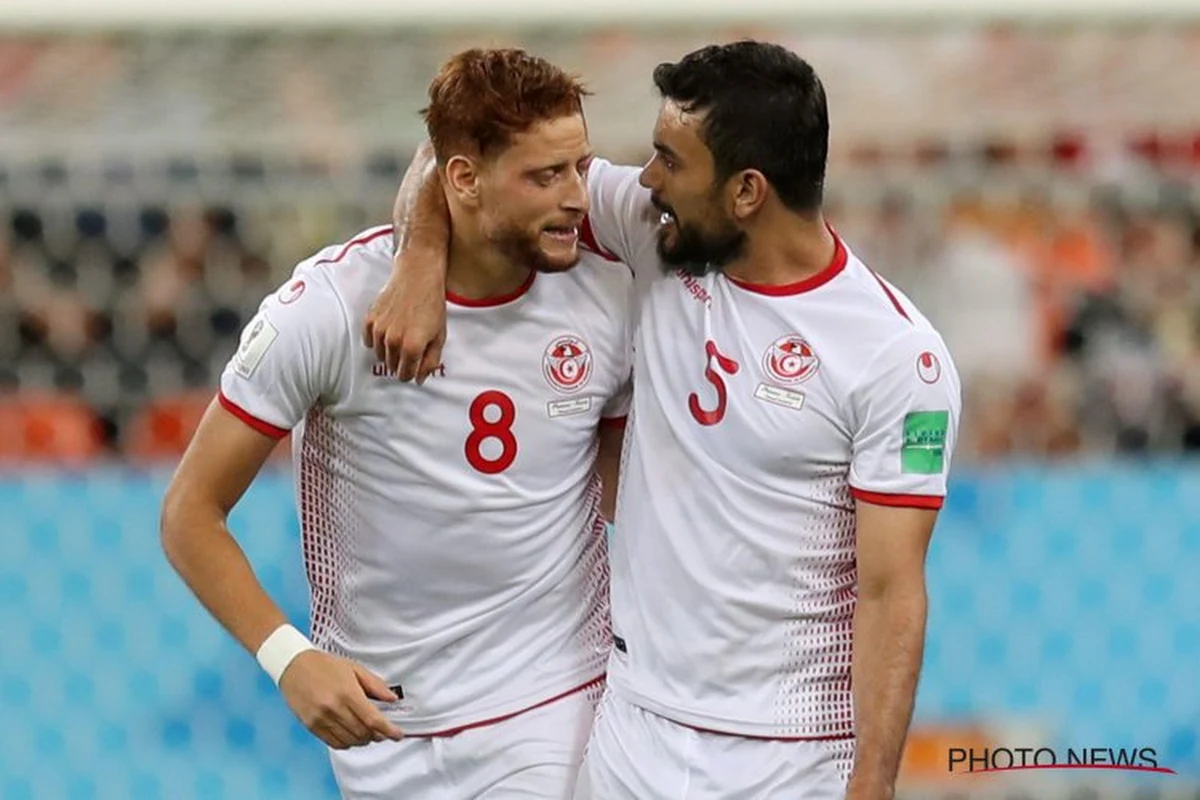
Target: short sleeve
x=288, y=357
x=616, y=409
x=907, y=405
x=622, y=222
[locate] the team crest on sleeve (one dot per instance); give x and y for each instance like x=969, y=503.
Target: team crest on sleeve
x=790, y=359
x=567, y=364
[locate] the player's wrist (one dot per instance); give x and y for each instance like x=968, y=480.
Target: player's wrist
x=279, y=650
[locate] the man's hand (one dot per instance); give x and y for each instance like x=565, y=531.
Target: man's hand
x=330, y=696
x=406, y=325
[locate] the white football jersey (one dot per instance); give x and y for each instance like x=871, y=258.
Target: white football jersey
x=761, y=413
x=452, y=533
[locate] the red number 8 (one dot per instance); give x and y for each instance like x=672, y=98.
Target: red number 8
x=501, y=429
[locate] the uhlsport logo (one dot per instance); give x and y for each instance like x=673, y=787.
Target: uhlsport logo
x=291, y=293
x=567, y=364
x=790, y=359
x=928, y=367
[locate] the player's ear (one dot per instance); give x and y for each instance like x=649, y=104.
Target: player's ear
x=748, y=190
x=461, y=178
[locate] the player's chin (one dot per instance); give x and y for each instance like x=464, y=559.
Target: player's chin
x=559, y=252
x=670, y=250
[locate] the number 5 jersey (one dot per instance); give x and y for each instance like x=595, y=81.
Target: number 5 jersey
x=761, y=415
x=451, y=532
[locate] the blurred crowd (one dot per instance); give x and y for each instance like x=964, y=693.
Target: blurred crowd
x=1035, y=190
x=1075, y=322
x=1074, y=316
x=118, y=312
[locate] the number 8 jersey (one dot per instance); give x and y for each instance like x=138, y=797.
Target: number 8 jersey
x=451, y=532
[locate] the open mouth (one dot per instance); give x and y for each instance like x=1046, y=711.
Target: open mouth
x=565, y=234
x=666, y=215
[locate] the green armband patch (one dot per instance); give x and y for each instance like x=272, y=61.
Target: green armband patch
x=923, y=449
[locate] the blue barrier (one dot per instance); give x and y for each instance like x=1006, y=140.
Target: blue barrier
x=1067, y=598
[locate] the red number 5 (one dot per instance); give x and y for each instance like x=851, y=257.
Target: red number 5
x=482, y=429
x=729, y=367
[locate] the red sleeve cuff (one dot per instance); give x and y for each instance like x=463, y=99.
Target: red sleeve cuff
x=612, y=422
x=263, y=427
x=930, y=501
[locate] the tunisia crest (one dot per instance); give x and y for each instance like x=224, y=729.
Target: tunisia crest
x=790, y=359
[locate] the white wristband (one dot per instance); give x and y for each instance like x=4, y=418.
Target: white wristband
x=280, y=648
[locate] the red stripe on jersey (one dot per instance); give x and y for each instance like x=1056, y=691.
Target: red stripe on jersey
x=899, y=500
x=498, y=300
x=485, y=722
x=262, y=426
x=891, y=296
x=612, y=422
x=831, y=271
x=587, y=238
x=387, y=231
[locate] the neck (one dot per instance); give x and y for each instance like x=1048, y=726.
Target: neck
x=784, y=248
x=477, y=271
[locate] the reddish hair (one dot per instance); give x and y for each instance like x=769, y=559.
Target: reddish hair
x=481, y=99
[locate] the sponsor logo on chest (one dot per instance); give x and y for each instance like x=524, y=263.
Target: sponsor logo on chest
x=381, y=371
x=567, y=365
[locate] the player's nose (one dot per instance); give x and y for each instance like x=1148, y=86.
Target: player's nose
x=649, y=175
x=575, y=198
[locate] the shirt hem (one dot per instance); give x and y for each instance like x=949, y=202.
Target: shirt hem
x=443, y=727
x=724, y=727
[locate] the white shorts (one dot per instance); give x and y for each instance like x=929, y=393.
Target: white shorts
x=535, y=754
x=636, y=755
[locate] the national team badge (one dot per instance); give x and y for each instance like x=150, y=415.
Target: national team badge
x=928, y=367
x=567, y=364
x=790, y=359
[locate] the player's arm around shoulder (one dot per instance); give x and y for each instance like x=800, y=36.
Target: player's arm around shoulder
x=406, y=325
x=281, y=366
x=621, y=222
x=907, y=405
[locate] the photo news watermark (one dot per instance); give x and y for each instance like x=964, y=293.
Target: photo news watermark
x=981, y=760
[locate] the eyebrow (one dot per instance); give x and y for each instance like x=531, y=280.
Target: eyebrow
x=559, y=166
x=666, y=151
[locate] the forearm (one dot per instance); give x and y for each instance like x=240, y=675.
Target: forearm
x=420, y=216
x=609, y=477
x=608, y=466
x=208, y=559
x=889, y=637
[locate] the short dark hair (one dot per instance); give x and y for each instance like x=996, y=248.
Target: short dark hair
x=765, y=110
x=481, y=99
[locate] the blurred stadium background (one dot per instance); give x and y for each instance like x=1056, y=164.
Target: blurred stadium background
x=1029, y=174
